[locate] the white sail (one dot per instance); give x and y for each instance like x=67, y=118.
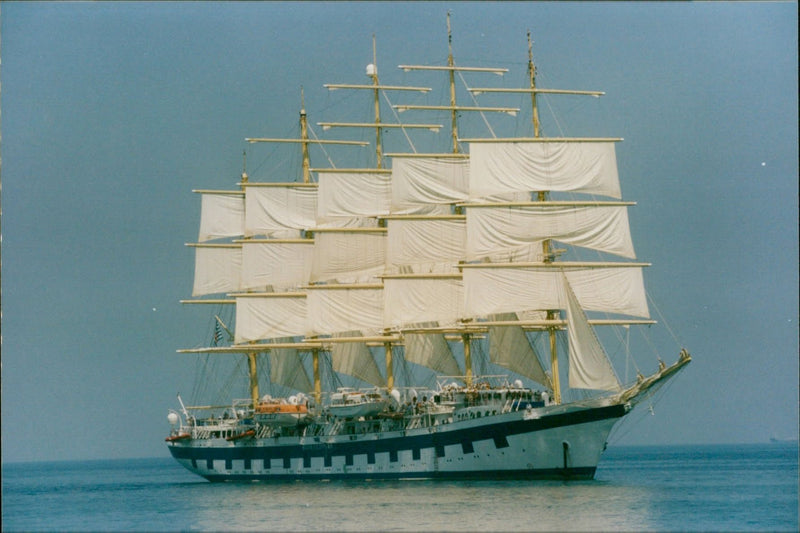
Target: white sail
x=425, y=243
x=279, y=210
x=277, y=264
x=495, y=229
x=341, y=308
x=513, y=288
x=269, y=316
x=589, y=367
x=286, y=369
x=420, y=184
x=355, y=193
x=424, y=298
x=510, y=348
x=221, y=215
x=355, y=359
x=348, y=255
x=431, y=351
x=506, y=167
x=217, y=268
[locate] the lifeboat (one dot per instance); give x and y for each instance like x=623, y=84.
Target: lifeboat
x=280, y=412
x=243, y=435
x=347, y=403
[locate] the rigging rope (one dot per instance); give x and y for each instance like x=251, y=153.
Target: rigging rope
x=397, y=118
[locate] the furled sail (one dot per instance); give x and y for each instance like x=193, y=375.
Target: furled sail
x=354, y=193
x=280, y=264
x=589, y=367
x=498, y=168
x=269, y=316
x=342, y=308
x=221, y=215
x=510, y=348
x=425, y=243
x=217, y=268
x=491, y=289
x=348, y=255
x=279, y=210
x=494, y=229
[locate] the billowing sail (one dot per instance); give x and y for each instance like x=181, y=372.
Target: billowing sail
x=355, y=359
x=428, y=184
x=269, y=316
x=348, y=255
x=431, y=351
x=221, y=215
x=423, y=298
x=505, y=167
x=342, y=308
x=491, y=289
x=589, y=367
x=432, y=244
x=280, y=264
x=495, y=229
x=286, y=369
x=510, y=348
x=217, y=268
x=354, y=193
x=279, y=210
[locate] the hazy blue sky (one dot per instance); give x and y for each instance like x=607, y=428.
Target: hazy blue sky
x=112, y=113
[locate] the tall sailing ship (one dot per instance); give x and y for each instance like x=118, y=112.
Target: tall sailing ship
x=436, y=282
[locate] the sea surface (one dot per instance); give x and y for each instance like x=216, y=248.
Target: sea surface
x=686, y=488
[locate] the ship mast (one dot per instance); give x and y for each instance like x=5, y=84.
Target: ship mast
x=375, y=87
x=548, y=254
x=304, y=141
x=454, y=108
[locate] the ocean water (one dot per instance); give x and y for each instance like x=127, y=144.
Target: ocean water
x=687, y=488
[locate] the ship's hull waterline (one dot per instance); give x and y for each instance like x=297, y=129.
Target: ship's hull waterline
x=517, y=445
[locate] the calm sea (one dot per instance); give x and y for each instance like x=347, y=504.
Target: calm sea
x=698, y=488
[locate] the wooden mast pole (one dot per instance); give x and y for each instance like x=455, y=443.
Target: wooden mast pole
x=547, y=256
x=252, y=362
x=317, y=377
x=374, y=75
x=451, y=64
x=532, y=79
x=304, y=137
